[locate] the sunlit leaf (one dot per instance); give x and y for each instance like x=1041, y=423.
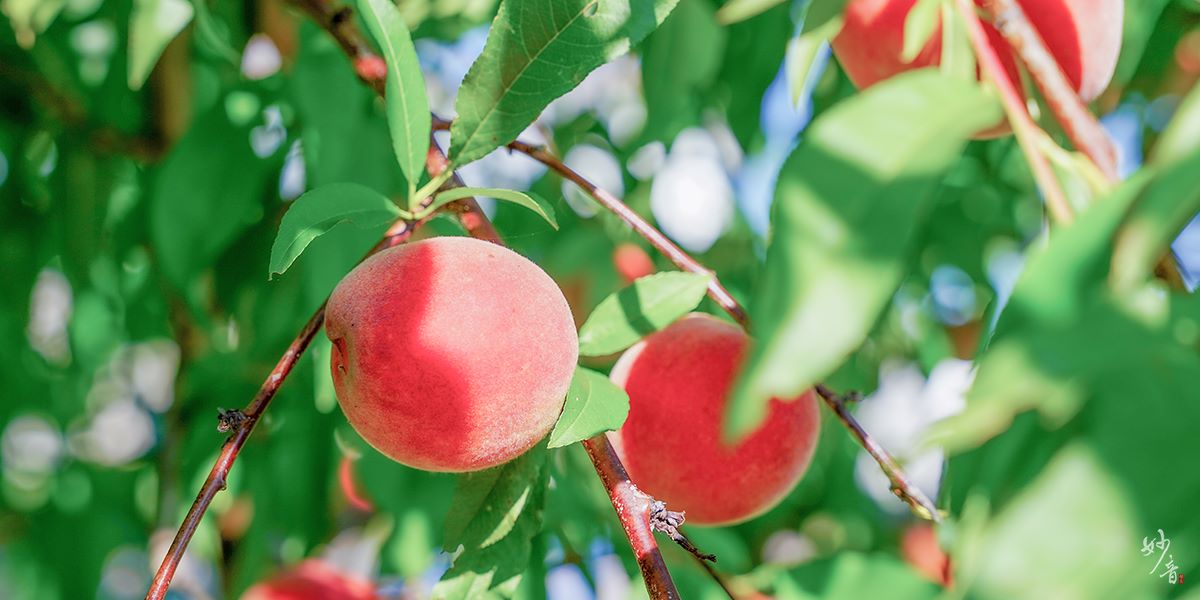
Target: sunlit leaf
x=847, y=203
x=594, y=405
x=531, y=201
x=324, y=208
x=919, y=25
x=493, y=516
x=649, y=304
x=407, y=105
x=536, y=52
x=152, y=25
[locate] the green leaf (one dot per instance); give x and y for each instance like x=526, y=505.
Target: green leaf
x=536, y=52
x=594, y=405
x=679, y=62
x=847, y=203
x=530, y=200
x=205, y=194
x=958, y=56
x=736, y=11
x=1182, y=136
x=852, y=576
x=152, y=25
x=1074, y=556
x=802, y=51
x=407, y=105
x=1162, y=210
x=922, y=19
x=31, y=17
x=494, y=515
x=322, y=209
x=649, y=304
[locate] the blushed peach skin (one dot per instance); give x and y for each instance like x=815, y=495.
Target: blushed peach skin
x=311, y=580
x=451, y=354
x=678, y=381
x=632, y=262
x=1084, y=36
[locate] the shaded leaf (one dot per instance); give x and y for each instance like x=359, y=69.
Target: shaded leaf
x=407, y=105
x=494, y=515
x=536, y=52
x=847, y=203
x=647, y=305
x=594, y=405
x=324, y=208
x=1162, y=210
x=679, y=62
x=202, y=198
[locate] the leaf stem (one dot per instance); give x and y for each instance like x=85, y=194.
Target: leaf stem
x=242, y=424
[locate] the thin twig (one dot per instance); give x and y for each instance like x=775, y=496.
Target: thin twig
x=1080, y=125
x=1069, y=109
x=1014, y=107
x=636, y=511
x=921, y=505
x=901, y=485
x=242, y=426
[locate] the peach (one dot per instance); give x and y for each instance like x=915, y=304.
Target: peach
x=919, y=546
x=678, y=380
x=1084, y=36
x=311, y=580
x=632, y=262
x=451, y=354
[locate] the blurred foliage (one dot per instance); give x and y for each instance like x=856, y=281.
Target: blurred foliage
x=150, y=149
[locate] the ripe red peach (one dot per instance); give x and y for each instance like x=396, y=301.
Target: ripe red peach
x=451, y=354
x=919, y=546
x=1084, y=37
x=678, y=380
x=632, y=262
x=311, y=580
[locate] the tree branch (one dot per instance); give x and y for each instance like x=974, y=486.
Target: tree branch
x=242, y=423
x=1022, y=124
x=633, y=509
x=902, y=487
x=1069, y=109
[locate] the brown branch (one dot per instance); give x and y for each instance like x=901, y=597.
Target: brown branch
x=1022, y=124
x=242, y=423
x=902, y=487
x=1069, y=109
x=1080, y=125
x=633, y=508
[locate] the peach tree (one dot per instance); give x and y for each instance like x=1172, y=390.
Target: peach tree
x=599, y=298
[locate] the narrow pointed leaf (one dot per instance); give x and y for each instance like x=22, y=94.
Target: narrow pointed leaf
x=407, y=104
x=536, y=52
x=324, y=208
x=531, y=201
x=152, y=25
